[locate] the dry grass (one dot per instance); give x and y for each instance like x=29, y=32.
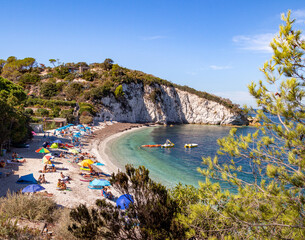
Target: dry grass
x=31, y=207
x=61, y=228
x=10, y=230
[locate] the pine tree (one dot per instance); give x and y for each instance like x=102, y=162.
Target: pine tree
x=271, y=204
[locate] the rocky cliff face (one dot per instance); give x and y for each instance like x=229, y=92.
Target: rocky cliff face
x=162, y=104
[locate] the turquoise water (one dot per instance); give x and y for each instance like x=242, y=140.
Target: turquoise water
x=171, y=166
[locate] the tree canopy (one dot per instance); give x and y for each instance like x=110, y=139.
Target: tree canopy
x=270, y=205
x=13, y=122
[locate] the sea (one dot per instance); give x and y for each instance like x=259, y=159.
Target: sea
x=171, y=166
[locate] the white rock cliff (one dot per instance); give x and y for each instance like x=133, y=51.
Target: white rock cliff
x=163, y=104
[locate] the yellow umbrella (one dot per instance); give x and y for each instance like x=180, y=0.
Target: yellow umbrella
x=86, y=163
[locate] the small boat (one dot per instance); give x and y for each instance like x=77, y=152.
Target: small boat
x=168, y=144
x=191, y=145
x=154, y=145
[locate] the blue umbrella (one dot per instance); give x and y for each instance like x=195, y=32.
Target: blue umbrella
x=33, y=188
x=99, y=182
x=124, y=201
x=57, y=141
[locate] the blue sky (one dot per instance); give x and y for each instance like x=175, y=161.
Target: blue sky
x=215, y=46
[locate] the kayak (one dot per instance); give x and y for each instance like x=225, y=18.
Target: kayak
x=167, y=144
x=191, y=145
x=155, y=145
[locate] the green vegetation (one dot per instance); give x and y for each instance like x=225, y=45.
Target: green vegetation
x=152, y=216
x=118, y=93
x=271, y=204
x=268, y=206
x=14, y=124
x=42, y=112
x=155, y=95
x=101, y=80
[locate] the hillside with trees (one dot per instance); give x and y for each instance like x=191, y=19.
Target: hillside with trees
x=74, y=90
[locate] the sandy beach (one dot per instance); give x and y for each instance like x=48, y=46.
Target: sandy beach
x=78, y=191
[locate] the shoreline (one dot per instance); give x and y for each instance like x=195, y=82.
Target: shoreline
x=79, y=192
x=100, y=149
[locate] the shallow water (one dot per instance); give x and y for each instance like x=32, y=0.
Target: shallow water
x=174, y=165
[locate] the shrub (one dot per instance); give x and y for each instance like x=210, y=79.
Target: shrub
x=68, y=114
x=61, y=72
x=42, y=112
x=29, y=111
x=90, y=76
x=55, y=111
x=119, y=91
x=61, y=228
x=73, y=90
x=29, y=78
x=86, y=107
x=85, y=119
x=48, y=103
x=60, y=86
x=10, y=230
x=70, y=77
x=155, y=94
x=35, y=120
x=48, y=89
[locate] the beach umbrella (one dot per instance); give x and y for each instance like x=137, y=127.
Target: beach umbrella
x=124, y=201
x=33, y=188
x=86, y=163
x=99, y=182
x=42, y=150
x=74, y=151
x=46, y=159
x=57, y=141
x=54, y=145
x=98, y=164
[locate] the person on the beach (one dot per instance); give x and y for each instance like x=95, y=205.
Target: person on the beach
x=39, y=179
x=63, y=186
x=53, y=169
x=43, y=179
x=65, y=178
